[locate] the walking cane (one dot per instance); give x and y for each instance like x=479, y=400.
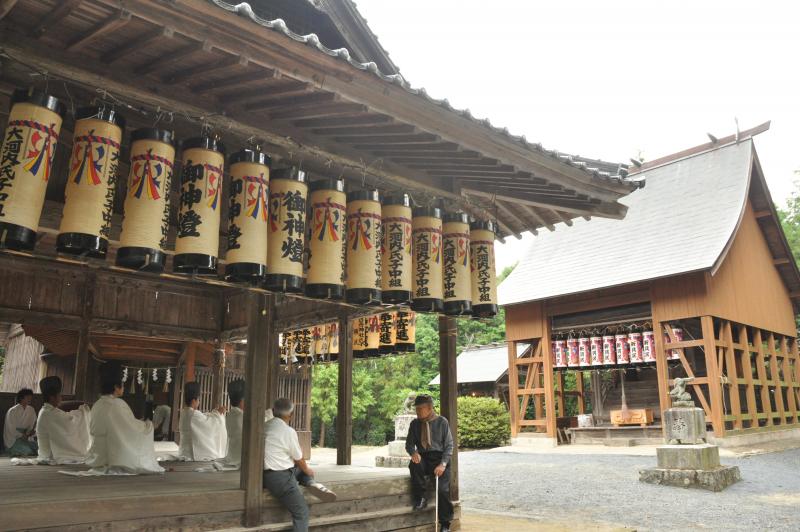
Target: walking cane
x=436, y=512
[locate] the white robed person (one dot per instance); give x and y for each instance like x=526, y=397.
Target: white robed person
x=20, y=426
x=203, y=436
x=121, y=444
x=64, y=437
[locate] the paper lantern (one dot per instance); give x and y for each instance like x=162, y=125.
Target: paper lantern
x=363, y=247
x=635, y=343
x=248, y=217
x=145, y=226
x=26, y=161
x=428, y=289
x=609, y=350
x=332, y=332
x=388, y=332
x=328, y=243
x=623, y=349
x=396, y=257
x=596, y=350
x=456, y=274
x=359, y=337
x=373, y=324
x=484, y=280
x=584, y=351
x=91, y=182
x=287, y=230
x=406, y=331
x=560, y=352
x=197, y=242
x=573, y=353
x=648, y=347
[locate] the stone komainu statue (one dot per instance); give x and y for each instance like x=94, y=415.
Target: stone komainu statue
x=408, y=404
x=680, y=397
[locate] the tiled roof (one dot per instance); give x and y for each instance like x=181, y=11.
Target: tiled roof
x=482, y=364
x=597, y=171
x=680, y=222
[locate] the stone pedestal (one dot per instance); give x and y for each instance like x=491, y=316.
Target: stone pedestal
x=398, y=457
x=684, y=462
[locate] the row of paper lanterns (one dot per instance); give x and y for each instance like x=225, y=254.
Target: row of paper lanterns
x=609, y=350
x=374, y=335
x=356, y=246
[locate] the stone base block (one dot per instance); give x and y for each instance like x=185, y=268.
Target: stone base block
x=692, y=457
x=397, y=448
x=392, y=461
x=713, y=480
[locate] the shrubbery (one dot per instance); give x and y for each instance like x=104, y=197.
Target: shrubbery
x=482, y=422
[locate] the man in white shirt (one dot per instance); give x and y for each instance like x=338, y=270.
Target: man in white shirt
x=203, y=436
x=20, y=426
x=63, y=436
x=284, y=466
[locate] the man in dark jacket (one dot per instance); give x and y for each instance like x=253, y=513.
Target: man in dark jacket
x=430, y=445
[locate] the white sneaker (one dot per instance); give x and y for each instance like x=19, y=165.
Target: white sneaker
x=321, y=492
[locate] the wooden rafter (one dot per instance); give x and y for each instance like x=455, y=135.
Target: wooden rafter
x=205, y=68
x=520, y=224
x=137, y=44
x=258, y=74
x=563, y=206
x=61, y=11
x=290, y=100
x=114, y=22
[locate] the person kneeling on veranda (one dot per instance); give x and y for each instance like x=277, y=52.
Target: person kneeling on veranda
x=284, y=466
x=430, y=445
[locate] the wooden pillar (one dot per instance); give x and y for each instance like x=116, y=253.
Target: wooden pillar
x=597, y=395
x=560, y=394
x=82, y=382
x=549, y=391
x=191, y=352
x=448, y=390
x=218, y=388
x=513, y=387
x=662, y=369
x=260, y=334
x=712, y=367
x=344, y=406
x=580, y=388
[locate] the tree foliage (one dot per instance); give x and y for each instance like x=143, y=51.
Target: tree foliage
x=790, y=220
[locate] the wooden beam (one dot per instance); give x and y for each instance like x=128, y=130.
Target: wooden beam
x=315, y=111
x=561, y=216
x=259, y=338
x=747, y=370
x=549, y=398
x=171, y=58
x=732, y=374
x=714, y=388
x=437, y=147
x=114, y=22
x=662, y=366
x=57, y=14
x=342, y=121
x=776, y=377
x=513, y=386
x=287, y=87
x=448, y=390
x=189, y=362
x=365, y=131
x=5, y=7
x=517, y=221
x=82, y=379
x=534, y=213
x=279, y=100
x=137, y=44
x=786, y=368
x=548, y=204
x=763, y=214
x=344, y=407
x=390, y=140
x=761, y=371
x=781, y=261
x=203, y=69
x=230, y=81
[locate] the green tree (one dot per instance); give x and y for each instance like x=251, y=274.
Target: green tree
x=324, y=395
x=790, y=220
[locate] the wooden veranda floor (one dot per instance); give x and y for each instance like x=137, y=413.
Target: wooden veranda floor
x=39, y=497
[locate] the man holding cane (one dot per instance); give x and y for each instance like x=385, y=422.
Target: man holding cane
x=430, y=445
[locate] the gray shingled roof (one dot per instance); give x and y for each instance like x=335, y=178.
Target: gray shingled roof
x=680, y=222
x=482, y=364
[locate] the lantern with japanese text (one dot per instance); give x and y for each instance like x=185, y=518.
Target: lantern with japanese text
x=197, y=242
x=456, y=274
x=328, y=244
x=396, y=257
x=560, y=353
x=623, y=349
x=484, y=281
x=596, y=349
x=332, y=332
x=26, y=162
x=635, y=343
x=406, y=331
x=248, y=216
x=363, y=247
x=145, y=225
x=584, y=351
x=609, y=350
x=287, y=230
x=388, y=333
x=648, y=347
x=428, y=289
x=573, y=353
x=91, y=182
x=359, y=337
x=373, y=335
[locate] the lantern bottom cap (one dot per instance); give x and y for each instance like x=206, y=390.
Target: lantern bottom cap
x=427, y=304
x=396, y=297
x=194, y=263
x=142, y=259
x=366, y=353
x=281, y=282
x=458, y=308
x=484, y=311
x=82, y=244
x=404, y=348
x=16, y=237
x=325, y=291
x=363, y=296
x=245, y=272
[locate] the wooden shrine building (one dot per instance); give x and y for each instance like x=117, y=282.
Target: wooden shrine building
x=699, y=268
x=308, y=84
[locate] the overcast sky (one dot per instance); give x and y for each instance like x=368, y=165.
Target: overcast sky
x=609, y=79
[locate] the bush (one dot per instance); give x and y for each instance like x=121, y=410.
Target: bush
x=482, y=422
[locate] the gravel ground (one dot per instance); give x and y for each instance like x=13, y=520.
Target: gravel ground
x=605, y=490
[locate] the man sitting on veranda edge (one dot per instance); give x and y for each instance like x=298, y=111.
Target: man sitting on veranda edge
x=430, y=445
x=284, y=466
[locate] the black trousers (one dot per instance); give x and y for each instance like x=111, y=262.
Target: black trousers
x=419, y=472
